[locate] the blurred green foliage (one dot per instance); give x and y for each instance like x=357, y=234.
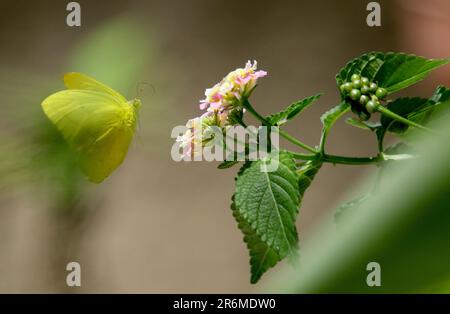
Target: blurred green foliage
x=405, y=228
x=115, y=53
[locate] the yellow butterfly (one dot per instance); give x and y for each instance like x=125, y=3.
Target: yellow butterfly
x=96, y=121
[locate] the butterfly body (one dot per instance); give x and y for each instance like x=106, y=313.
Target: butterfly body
x=96, y=121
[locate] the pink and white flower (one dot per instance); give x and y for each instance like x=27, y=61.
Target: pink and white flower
x=227, y=94
x=220, y=100
x=191, y=140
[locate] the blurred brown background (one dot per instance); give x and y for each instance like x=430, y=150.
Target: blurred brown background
x=160, y=226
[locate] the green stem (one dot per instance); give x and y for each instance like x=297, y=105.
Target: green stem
x=293, y=140
x=246, y=104
x=304, y=156
x=344, y=160
x=386, y=112
x=323, y=140
x=339, y=159
x=334, y=159
x=342, y=108
x=352, y=160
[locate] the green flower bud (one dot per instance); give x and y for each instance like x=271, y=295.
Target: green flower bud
x=374, y=98
x=373, y=87
x=363, y=99
x=348, y=87
x=381, y=92
x=365, y=80
x=357, y=84
x=355, y=77
x=372, y=106
x=365, y=89
x=355, y=94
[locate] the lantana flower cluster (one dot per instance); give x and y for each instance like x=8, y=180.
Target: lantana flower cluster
x=221, y=105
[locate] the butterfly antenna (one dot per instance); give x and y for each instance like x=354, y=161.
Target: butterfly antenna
x=140, y=88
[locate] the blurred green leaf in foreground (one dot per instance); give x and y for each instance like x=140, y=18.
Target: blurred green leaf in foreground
x=405, y=228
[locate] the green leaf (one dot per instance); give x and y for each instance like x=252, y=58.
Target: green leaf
x=408, y=108
x=265, y=206
x=292, y=110
x=405, y=107
x=419, y=110
x=393, y=71
x=365, y=65
x=306, y=173
x=262, y=256
x=442, y=94
x=399, y=70
x=227, y=164
x=269, y=202
x=266, y=203
x=441, y=109
x=329, y=118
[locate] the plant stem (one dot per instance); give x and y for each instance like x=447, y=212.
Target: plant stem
x=386, y=112
x=293, y=140
x=334, y=159
x=339, y=159
x=344, y=160
x=287, y=136
x=304, y=156
x=352, y=160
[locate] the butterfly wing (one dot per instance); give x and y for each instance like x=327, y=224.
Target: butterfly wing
x=96, y=125
x=75, y=80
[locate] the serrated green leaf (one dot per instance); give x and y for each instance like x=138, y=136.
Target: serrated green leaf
x=393, y=71
x=366, y=65
x=419, y=110
x=307, y=173
x=406, y=107
x=262, y=257
x=292, y=110
x=266, y=206
x=268, y=221
x=269, y=201
x=330, y=117
x=400, y=70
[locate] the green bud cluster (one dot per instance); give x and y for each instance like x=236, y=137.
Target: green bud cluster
x=366, y=93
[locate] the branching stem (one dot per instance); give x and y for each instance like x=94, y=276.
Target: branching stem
x=284, y=134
